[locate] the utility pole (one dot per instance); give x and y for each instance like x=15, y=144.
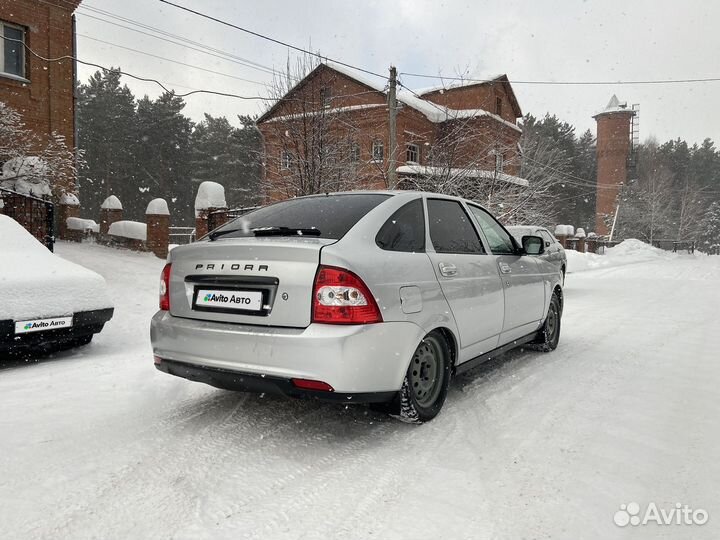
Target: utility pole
x=392, y=106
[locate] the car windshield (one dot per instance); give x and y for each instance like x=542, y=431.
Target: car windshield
x=330, y=215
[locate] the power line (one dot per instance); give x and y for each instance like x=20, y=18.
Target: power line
x=136, y=77
x=565, y=83
x=185, y=42
x=170, y=60
x=271, y=39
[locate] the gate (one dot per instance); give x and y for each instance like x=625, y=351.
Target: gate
x=34, y=214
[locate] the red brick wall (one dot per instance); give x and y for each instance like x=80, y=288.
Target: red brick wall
x=46, y=102
x=613, y=148
x=476, y=96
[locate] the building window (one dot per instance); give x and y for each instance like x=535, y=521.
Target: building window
x=325, y=97
x=378, y=150
x=286, y=160
x=498, y=106
x=354, y=152
x=498, y=162
x=412, y=153
x=12, y=50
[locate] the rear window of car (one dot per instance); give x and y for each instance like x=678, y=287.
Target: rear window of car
x=332, y=215
x=405, y=230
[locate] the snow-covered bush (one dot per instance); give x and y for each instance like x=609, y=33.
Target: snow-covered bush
x=33, y=165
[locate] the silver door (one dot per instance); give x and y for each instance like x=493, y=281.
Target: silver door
x=467, y=275
x=523, y=284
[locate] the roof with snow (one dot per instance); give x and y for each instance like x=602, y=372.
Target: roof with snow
x=432, y=111
x=482, y=174
x=480, y=81
x=614, y=106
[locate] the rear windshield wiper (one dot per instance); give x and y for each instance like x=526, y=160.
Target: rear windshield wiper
x=269, y=231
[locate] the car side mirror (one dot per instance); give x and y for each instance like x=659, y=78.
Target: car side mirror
x=533, y=245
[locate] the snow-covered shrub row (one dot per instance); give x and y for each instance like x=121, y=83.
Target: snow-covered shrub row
x=80, y=224
x=129, y=229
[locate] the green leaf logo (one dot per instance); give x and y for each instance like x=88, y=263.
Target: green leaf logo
x=208, y=297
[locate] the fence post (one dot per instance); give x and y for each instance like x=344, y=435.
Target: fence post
x=210, y=198
x=580, y=235
x=69, y=207
x=111, y=211
x=157, y=218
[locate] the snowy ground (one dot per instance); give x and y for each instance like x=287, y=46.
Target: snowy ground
x=96, y=444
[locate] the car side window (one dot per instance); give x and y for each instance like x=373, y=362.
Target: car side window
x=451, y=230
x=404, y=230
x=498, y=239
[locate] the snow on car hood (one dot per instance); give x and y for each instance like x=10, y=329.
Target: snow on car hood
x=35, y=283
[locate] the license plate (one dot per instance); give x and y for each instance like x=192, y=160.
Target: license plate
x=225, y=299
x=40, y=325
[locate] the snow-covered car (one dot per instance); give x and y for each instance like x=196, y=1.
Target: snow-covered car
x=363, y=297
x=554, y=252
x=47, y=302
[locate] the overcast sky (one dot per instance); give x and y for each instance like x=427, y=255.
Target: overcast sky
x=571, y=40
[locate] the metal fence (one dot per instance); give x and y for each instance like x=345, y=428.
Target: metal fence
x=220, y=217
x=182, y=235
x=34, y=214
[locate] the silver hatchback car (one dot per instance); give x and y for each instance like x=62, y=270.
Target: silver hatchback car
x=363, y=297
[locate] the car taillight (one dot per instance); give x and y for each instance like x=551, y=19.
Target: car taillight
x=341, y=297
x=165, y=288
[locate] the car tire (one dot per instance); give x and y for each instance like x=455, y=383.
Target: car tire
x=426, y=382
x=549, y=335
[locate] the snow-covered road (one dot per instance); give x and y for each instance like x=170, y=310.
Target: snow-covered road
x=95, y=443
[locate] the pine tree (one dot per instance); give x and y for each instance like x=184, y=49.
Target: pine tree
x=163, y=154
x=107, y=135
x=228, y=155
x=709, y=240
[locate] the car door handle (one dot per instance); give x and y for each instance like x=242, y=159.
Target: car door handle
x=505, y=268
x=447, y=270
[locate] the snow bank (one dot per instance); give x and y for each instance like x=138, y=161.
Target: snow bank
x=210, y=195
x=80, y=224
x=111, y=203
x=69, y=199
x=157, y=207
x=35, y=283
x=627, y=252
x=129, y=229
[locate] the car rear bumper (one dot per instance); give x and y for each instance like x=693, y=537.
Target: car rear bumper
x=352, y=359
x=84, y=323
x=247, y=382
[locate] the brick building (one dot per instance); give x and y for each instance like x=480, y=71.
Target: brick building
x=344, y=118
x=43, y=92
x=613, y=152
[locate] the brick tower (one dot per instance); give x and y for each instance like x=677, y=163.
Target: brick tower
x=613, y=151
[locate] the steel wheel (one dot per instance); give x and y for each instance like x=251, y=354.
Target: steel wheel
x=426, y=372
x=553, y=319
